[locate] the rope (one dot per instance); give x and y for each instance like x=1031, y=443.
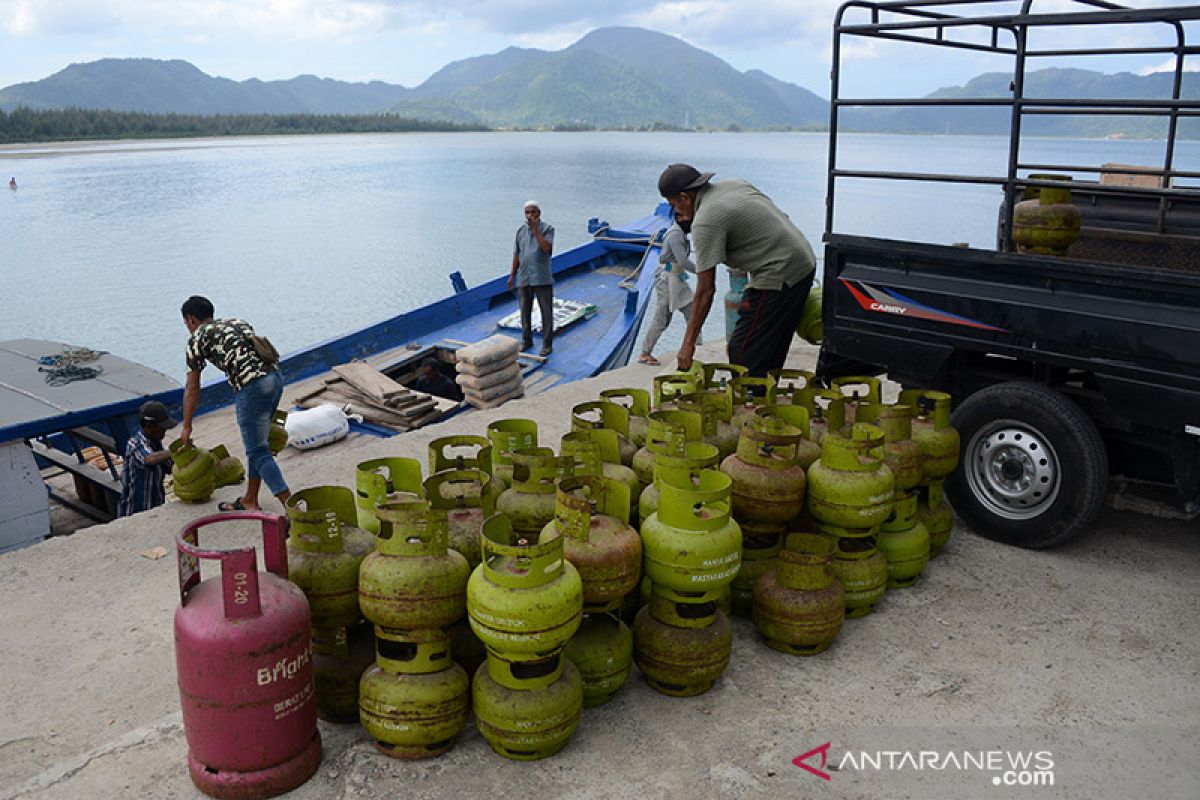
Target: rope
x=64, y=367
x=631, y=280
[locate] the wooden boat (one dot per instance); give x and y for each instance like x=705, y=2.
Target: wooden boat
x=53, y=425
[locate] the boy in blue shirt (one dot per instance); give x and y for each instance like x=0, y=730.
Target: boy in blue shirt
x=146, y=461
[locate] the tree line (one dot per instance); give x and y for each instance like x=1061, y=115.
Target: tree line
x=23, y=125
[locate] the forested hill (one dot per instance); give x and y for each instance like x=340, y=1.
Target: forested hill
x=612, y=78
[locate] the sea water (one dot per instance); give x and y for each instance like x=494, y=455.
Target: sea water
x=310, y=237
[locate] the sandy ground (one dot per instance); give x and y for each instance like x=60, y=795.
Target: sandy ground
x=1088, y=654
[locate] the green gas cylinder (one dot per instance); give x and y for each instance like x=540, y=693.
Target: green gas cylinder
x=604, y=414
x=604, y=548
x=340, y=656
x=325, y=550
x=935, y=514
x=811, y=327
x=857, y=390
x=467, y=498
x=413, y=580
x=460, y=452
x=193, y=471
x=862, y=571
x=749, y=394
x=529, y=501
x=695, y=456
x=712, y=429
x=602, y=651
x=277, y=435
x=807, y=450
x=384, y=480
x=692, y=545
x=755, y=561
x=826, y=411
x=528, y=724
x=507, y=435
x=678, y=658
x=525, y=601
x=668, y=431
x=932, y=431
x=787, y=384
x=901, y=454
x=849, y=485
x=799, y=605
x=768, y=483
x=228, y=470
x=904, y=542
x=670, y=387
x=595, y=451
x=413, y=701
x=637, y=403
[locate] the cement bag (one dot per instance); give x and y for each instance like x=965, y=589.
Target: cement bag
x=496, y=348
x=511, y=388
x=480, y=370
x=478, y=383
x=316, y=427
x=499, y=401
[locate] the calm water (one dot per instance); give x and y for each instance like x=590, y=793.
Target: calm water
x=310, y=237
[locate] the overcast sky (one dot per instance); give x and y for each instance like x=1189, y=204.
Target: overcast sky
x=405, y=41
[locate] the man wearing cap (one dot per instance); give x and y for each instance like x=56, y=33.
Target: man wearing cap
x=735, y=224
x=531, y=275
x=146, y=461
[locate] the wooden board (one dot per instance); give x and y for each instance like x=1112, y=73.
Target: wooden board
x=370, y=381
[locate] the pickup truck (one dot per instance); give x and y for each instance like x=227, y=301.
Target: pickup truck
x=1075, y=377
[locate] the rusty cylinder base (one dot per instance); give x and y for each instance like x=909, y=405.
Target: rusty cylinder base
x=263, y=783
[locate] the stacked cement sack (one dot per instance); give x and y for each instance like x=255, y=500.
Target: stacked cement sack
x=488, y=371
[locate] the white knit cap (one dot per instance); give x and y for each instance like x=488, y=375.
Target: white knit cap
x=532, y=204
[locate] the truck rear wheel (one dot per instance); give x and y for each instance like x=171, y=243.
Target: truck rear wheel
x=1033, y=471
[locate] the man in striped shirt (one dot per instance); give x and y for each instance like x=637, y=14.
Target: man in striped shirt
x=733, y=223
x=146, y=461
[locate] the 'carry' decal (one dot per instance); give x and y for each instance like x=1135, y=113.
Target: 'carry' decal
x=889, y=301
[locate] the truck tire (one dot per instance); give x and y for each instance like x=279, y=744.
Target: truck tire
x=1034, y=469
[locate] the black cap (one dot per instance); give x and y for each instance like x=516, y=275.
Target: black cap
x=680, y=178
x=153, y=412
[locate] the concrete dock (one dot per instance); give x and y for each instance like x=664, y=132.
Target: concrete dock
x=1086, y=658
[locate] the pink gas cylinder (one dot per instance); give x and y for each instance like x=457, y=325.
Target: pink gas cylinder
x=243, y=651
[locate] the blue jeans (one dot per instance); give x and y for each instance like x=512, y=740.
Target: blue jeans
x=256, y=404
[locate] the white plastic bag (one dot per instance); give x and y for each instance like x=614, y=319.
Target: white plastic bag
x=316, y=427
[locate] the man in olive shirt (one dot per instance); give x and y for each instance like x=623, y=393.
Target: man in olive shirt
x=733, y=223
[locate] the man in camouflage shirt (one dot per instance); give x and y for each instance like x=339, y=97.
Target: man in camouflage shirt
x=257, y=386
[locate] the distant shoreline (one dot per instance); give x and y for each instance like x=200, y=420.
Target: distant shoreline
x=65, y=147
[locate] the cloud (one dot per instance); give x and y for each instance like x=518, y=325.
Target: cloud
x=1190, y=64
x=288, y=19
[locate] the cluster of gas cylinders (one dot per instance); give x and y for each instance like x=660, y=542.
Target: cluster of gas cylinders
x=522, y=583
x=196, y=472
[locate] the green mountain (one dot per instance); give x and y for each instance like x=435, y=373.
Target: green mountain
x=613, y=78
x=1046, y=84
x=144, y=84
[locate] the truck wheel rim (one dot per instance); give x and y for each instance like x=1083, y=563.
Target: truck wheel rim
x=1012, y=470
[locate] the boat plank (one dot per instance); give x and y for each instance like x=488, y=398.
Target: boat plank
x=370, y=381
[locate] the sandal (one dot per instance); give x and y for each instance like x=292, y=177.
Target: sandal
x=235, y=505
x=646, y=358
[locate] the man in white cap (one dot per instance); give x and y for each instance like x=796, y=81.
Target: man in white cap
x=733, y=223
x=531, y=276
